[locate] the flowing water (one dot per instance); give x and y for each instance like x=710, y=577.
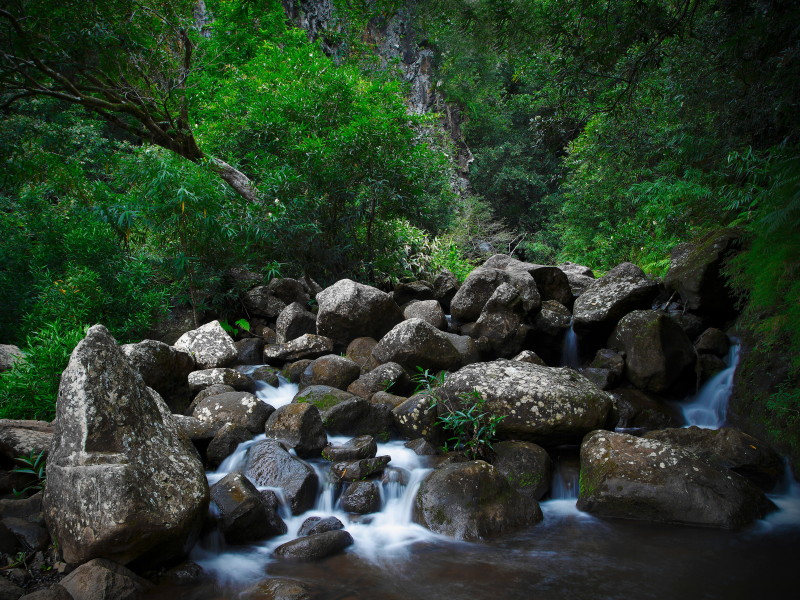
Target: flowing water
x=570, y=356
x=569, y=555
x=709, y=408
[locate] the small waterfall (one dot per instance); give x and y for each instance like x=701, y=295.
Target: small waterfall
x=708, y=410
x=569, y=351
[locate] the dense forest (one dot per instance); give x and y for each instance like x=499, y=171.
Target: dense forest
x=152, y=150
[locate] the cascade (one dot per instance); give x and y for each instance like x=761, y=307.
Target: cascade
x=569, y=351
x=709, y=408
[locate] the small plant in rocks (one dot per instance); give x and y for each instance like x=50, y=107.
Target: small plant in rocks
x=34, y=464
x=471, y=428
x=428, y=381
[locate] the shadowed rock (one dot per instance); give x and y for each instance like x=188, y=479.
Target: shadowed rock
x=349, y=310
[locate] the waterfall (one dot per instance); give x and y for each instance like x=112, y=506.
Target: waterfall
x=569, y=351
x=709, y=408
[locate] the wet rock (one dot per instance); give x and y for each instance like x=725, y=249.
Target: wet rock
x=102, y=579
x=422, y=447
x=225, y=442
x=550, y=325
x=163, y=368
x=289, y=290
x=293, y=322
x=361, y=497
x=635, y=478
x=357, y=470
x=360, y=350
x=710, y=365
x=389, y=376
x=332, y=370
x=239, y=408
x=21, y=438
x=200, y=380
x=269, y=464
x=528, y=467
x=608, y=359
x=693, y=325
x=713, y=341
x=472, y=501
x=349, y=310
x=499, y=330
x=358, y=448
x=543, y=405
x=306, y=346
x=388, y=399
x=415, y=343
x=212, y=390
x=445, y=287
x=315, y=547
x=9, y=354
x=298, y=426
x=186, y=573
x=315, y=525
x=294, y=371
x=749, y=457
x=395, y=475
x=529, y=356
x=695, y=272
x=602, y=378
x=278, y=589
x=429, y=311
x=418, y=418
x=267, y=374
x=250, y=351
x=658, y=355
x=640, y=410
x=260, y=302
x=600, y=307
x=32, y=536
x=123, y=480
x=476, y=290
x=356, y=416
x=420, y=291
x=244, y=514
x=210, y=346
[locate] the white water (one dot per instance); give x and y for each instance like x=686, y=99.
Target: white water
x=569, y=351
x=709, y=408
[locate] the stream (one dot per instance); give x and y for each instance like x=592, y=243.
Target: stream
x=569, y=555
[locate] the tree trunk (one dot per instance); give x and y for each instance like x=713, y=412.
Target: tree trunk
x=234, y=178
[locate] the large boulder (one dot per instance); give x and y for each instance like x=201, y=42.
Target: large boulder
x=658, y=355
x=472, y=501
x=550, y=325
x=239, y=408
x=600, y=307
x=293, y=322
x=292, y=372
x=361, y=497
x=579, y=277
x=289, y=291
x=164, y=368
x=640, y=410
x=363, y=446
x=306, y=346
x=418, y=291
x=466, y=347
x=499, y=330
x=322, y=396
x=244, y=514
x=429, y=311
x=225, y=442
x=389, y=376
x=299, y=426
x=695, y=272
x=356, y=416
x=415, y=343
x=210, y=346
x=551, y=282
x=635, y=478
x=270, y=464
x=260, y=302
x=250, y=351
x=23, y=438
x=123, y=480
x=102, y=579
x=736, y=450
x=418, y=417
x=200, y=380
x=360, y=350
x=9, y=355
x=476, y=290
x=358, y=470
x=543, y=405
x=332, y=370
x=713, y=341
x=348, y=310
x=315, y=547
x=445, y=287
x=527, y=467
x=315, y=525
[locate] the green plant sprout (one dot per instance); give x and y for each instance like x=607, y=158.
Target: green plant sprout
x=34, y=465
x=472, y=428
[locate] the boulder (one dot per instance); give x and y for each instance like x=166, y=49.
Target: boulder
x=550, y=325
x=528, y=467
x=163, y=368
x=289, y=291
x=210, y=346
x=361, y=497
x=56, y=592
x=123, y=480
x=293, y=322
x=360, y=349
x=363, y=446
x=102, y=579
x=239, y=408
x=9, y=354
x=267, y=374
x=710, y=365
x=571, y=268
x=187, y=572
x=610, y=360
x=600, y=307
x=640, y=410
x=422, y=447
x=472, y=501
x=388, y=399
x=529, y=356
x=23, y=438
x=244, y=515
x=260, y=302
x=200, y=380
x=468, y=302
x=658, y=355
x=212, y=390
x=358, y=470
x=695, y=272
x=332, y=370
x=298, y=426
x=294, y=371
x=429, y=311
x=240, y=278
x=196, y=430
x=417, y=418
x=10, y=591
x=315, y=547
x=277, y=588
x=636, y=478
x=499, y=330
x=466, y=347
x=408, y=292
x=543, y=405
x=250, y=351
x=693, y=325
x=445, y=287
x=32, y=536
x=225, y=442
x=315, y=525
x=579, y=277
x=552, y=283
x=322, y=396
x=749, y=457
x=713, y=341
x=306, y=346
x=415, y=343
x=389, y=376
x=269, y=464
x=602, y=378
x=21, y=507
x=349, y=310
x=356, y=417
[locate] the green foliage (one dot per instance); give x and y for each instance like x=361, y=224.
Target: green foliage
x=470, y=425
x=428, y=381
x=34, y=464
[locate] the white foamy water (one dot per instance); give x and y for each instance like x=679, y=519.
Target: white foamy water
x=710, y=407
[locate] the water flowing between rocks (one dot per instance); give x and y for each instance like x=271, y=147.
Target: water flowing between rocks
x=570, y=555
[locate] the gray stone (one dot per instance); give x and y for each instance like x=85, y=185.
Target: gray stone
x=429, y=311
x=212, y=390
x=529, y=356
x=468, y=302
x=200, y=380
x=163, y=368
x=56, y=592
x=417, y=418
x=608, y=359
x=389, y=376
x=713, y=341
x=315, y=547
x=210, y=346
x=23, y=438
x=419, y=291
x=602, y=378
x=332, y=370
x=361, y=497
x=349, y=310
x=306, y=346
x=528, y=467
x=693, y=325
x=269, y=464
x=640, y=410
x=225, y=442
x=32, y=536
x=322, y=396
x=102, y=579
x=422, y=447
x=299, y=426
x=294, y=371
x=415, y=343
x=268, y=375
x=363, y=446
x=9, y=355
x=356, y=417
x=244, y=514
x=276, y=588
x=499, y=330
x=360, y=350
x=388, y=399
x=289, y=290
x=239, y=408
x=466, y=347
x=186, y=573
x=315, y=525
x=293, y=322
x=260, y=302
x=250, y=351
x=357, y=470
x=445, y=287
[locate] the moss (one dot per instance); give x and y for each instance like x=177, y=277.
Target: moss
x=525, y=479
x=439, y=518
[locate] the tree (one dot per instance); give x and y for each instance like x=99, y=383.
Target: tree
x=130, y=61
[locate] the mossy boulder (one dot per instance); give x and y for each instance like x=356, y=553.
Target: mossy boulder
x=528, y=467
